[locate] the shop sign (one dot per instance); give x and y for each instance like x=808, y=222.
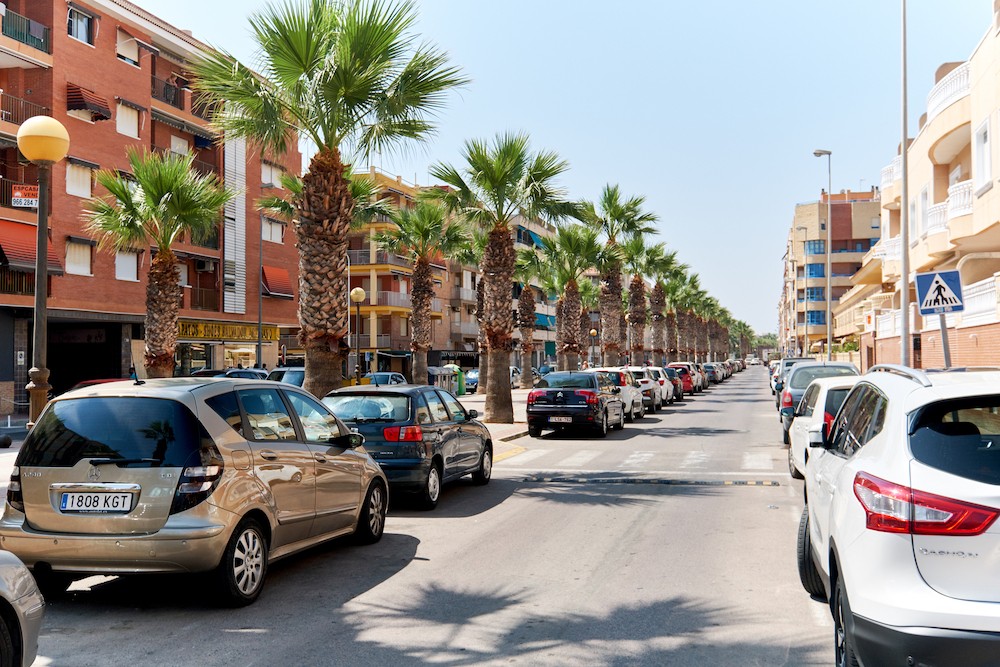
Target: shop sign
x=222, y=331
x=24, y=196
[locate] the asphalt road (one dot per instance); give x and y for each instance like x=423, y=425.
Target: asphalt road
x=672, y=542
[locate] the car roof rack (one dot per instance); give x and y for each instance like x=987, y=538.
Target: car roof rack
x=963, y=369
x=905, y=371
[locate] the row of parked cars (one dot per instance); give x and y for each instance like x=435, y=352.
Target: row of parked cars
x=898, y=534
x=605, y=398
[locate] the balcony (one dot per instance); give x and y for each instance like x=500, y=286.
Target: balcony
x=364, y=258
x=170, y=93
x=960, y=200
x=888, y=251
x=937, y=219
x=892, y=173
x=24, y=30
x=16, y=282
x=203, y=168
x=463, y=294
x=204, y=298
x=7, y=188
x=15, y=110
x=437, y=306
x=394, y=299
x=953, y=87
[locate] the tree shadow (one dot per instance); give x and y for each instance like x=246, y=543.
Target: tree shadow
x=608, y=490
x=694, y=431
x=461, y=498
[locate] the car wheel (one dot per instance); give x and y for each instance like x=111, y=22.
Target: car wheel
x=371, y=520
x=792, y=470
x=602, y=428
x=482, y=476
x=642, y=409
x=843, y=622
x=784, y=435
x=621, y=420
x=808, y=574
x=240, y=574
x=534, y=431
x=51, y=584
x=631, y=413
x=431, y=492
x=8, y=657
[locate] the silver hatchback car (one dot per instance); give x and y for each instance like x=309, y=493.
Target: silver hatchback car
x=187, y=475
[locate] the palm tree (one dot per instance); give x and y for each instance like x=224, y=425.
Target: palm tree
x=643, y=260
x=524, y=272
x=683, y=293
x=501, y=180
x=618, y=220
x=590, y=295
x=344, y=76
x=422, y=234
x=368, y=204
x=163, y=199
x=472, y=255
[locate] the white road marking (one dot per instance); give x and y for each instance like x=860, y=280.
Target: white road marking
x=529, y=455
x=695, y=459
x=580, y=459
x=757, y=461
x=637, y=460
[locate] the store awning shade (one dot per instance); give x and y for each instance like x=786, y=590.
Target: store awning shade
x=542, y=320
x=277, y=282
x=17, y=248
x=81, y=99
x=535, y=237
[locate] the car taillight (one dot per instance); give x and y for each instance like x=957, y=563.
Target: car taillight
x=786, y=399
x=891, y=508
x=403, y=433
x=661, y=383
x=14, y=497
x=588, y=395
x=828, y=420
x=198, y=482
x=534, y=394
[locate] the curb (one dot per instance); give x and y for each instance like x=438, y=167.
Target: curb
x=513, y=436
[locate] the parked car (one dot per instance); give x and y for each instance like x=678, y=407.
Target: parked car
x=289, y=375
x=24, y=607
x=673, y=375
x=713, y=373
x=652, y=393
x=565, y=399
x=781, y=371
x=798, y=378
x=420, y=435
x=899, y=531
x=246, y=373
x=666, y=386
x=686, y=376
x=386, y=377
x=820, y=403
x=208, y=372
x=515, y=376
x=211, y=475
x=472, y=381
x=631, y=394
x=697, y=378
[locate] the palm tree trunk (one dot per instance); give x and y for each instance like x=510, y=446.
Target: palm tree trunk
x=637, y=314
x=671, y=332
x=163, y=295
x=420, y=319
x=560, y=334
x=526, y=323
x=584, y=334
x=325, y=210
x=571, y=331
x=657, y=302
x=484, y=349
x=611, y=307
x=498, y=268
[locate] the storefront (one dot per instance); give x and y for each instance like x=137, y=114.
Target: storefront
x=202, y=344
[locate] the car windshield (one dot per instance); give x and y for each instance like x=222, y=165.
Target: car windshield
x=958, y=436
x=567, y=381
x=639, y=375
x=369, y=407
x=294, y=376
x=801, y=378
x=144, y=432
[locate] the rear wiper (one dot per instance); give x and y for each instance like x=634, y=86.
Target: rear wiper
x=101, y=462
x=366, y=420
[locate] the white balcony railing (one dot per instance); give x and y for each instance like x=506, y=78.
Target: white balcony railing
x=980, y=302
x=888, y=250
x=463, y=293
x=394, y=299
x=937, y=218
x=893, y=172
x=437, y=306
x=466, y=328
x=960, y=199
x=953, y=87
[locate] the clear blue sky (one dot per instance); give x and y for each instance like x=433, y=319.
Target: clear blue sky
x=710, y=109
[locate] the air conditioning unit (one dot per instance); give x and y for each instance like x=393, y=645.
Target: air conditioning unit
x=204, y=265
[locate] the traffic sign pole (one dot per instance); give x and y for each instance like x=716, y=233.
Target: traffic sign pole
x=939, y=293
x=944, y=341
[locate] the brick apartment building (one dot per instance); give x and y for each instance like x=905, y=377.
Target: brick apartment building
x=117, y=76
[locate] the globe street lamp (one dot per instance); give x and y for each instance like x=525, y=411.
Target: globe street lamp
x=829, y=249
x=357, y=296
x=593, y=338
x=44, y=141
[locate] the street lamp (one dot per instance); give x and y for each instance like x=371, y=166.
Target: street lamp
x=829, y=242
x=44, y=141
x=358, y=295
x=805, y=338
x=593, y=338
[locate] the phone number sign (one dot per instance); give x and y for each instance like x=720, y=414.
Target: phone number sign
x=24, y=196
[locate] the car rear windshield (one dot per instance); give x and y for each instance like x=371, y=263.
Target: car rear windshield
x=671, y=373
x=293, y=376
x=373, y=407
x=801, y=378
x=568, y=381
x=143, y=432
x=639, y=375
x=961, y=437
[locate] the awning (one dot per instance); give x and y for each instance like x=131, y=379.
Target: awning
x=277, y=282
x=78, y=98
x=535, y=237
x=542, y=320
x=130, y=104
x=182, y=125
x=17, y=248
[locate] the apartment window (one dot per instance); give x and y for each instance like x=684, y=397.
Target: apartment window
x=272, y=230
x=128, y=48
x=270, y=174
x=179, y=145
x=127, y=121
x=876, y=223
x=815, y=271
x=815, y=293
x=923, y=210
x=182, y=275
x=78, y=180
x=127, y=265
x=981, y=149
x=816, y=317
x=80, y=25
x=78, y=258
x=456, y=316
x=404, y=325
x=815, y=247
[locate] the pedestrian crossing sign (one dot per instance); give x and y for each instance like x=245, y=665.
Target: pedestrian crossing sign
x=939, y=292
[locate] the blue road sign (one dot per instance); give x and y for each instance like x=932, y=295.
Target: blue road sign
x=939, y=292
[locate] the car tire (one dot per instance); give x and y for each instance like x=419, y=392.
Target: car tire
x=534, y=431
x=621, y=420
x=843, y=621
x=602, y=428
x=808, y=574
x=785, y=438
x=371, y=519
x=52, y=585
x=430, y=494
x=8, y=657
x=241, y=572
x=631, y=413
x=792, y=470
x=485, y=472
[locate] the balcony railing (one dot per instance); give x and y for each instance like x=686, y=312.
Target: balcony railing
x=15, y=110
x=16, y=282
x=893, y=172
x=358, y=257
x=463, y=293
x=170, y=93
x=364, y=257
x=937, y=218
x=204, y=298
x=960, y=199
x=466, y=328
x=24, y=30
x=394, y=299
x=888, y=250
x=437, y=306
x=953, y=87
x=980, y=300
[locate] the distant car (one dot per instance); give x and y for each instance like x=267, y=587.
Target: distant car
x=545, y=369
x=631, y=393
x=819, y=404
x=798, y=378
x=92, y=383
x=666, y=385
x=420, y=435
x=697, y=377
x=575, y=399
x=652, y=393
x=295, y=375
x=515, y=376
x=472, y=381
x=247, y=373
x=208, y=372
x=675, y=379
x=386, y=377
x=713, y=373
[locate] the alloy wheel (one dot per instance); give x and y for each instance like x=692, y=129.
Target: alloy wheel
x=248, y=561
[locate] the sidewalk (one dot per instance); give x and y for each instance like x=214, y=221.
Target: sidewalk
x=504, y=435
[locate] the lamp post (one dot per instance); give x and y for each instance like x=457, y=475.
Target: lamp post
x=44, y=141
x=829, y=248
x=805, y=338
x=593, y=338
x=358, y=295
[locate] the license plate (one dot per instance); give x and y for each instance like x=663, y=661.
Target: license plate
x=96, y=502
x=561, y=420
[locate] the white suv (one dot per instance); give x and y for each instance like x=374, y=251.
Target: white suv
x=899, y=530
x=631, y=394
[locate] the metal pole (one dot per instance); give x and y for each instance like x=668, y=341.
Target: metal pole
x=260, y=294
x=38, y=388
x=904, y=231
x=829, y=254
x=944, y=340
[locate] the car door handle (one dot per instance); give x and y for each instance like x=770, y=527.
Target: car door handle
x=268, y=455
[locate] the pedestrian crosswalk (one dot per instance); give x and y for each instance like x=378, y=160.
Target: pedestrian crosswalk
x=683, y=463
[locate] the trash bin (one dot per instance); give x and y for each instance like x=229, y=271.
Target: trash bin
x=459, y=378
x=441, y=377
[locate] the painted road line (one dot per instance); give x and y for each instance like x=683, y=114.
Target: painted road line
x=757, y=461
x=637, y=460
x=509, y=453
x=695, y=459
x=580, y=459
x=681, y=474
x=526, y=456
x=557, y=479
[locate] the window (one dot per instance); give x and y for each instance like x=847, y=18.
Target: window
x=78, y=258
x=270, y=174
x=127, y=121
x=958, y=436
x=78, y=180
x=815, y=317
x=815, y=293
x=404, y=327
x=225, y=406
x=876, y=224
x=179, y=145
x=266, y=415
x=437, y=407
x=318, y=425
x=838, y=432
x=808, y=402
x=923, y=210
x=457, y=413
x=815, y=271
x=815, y=247
x=127, y=265
x=80, y=25
x=82, y=114
x=912, y=223
x=272, y=230
x=182, y=275
x=983, y=172
x=128, y=48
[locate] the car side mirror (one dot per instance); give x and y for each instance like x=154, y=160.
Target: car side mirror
x=351, y=440
x=616, y=390
x=778, y=386
x=473, y=414
x=818, y=436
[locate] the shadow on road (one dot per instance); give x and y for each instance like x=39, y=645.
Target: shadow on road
x=461, y=498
